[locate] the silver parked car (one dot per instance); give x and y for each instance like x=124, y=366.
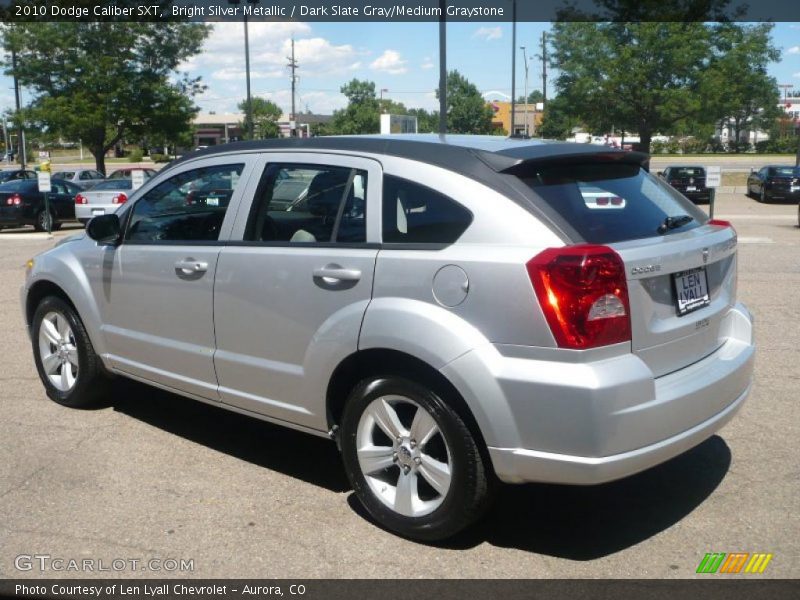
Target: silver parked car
x=102, y=199
x=452, y=312
x=83, y=178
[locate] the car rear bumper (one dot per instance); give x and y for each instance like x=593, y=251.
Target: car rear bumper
x=591, y=422
x=84, y=212
x=519, y=465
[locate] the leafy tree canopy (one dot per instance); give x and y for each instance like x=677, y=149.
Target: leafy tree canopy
x=84, y=91
x=265, y=117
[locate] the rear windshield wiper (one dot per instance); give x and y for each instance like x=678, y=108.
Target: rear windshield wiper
x=674, y=223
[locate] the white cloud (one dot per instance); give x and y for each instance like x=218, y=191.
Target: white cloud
x=427, y=63
x=390, y=62
x=270, y=45
x=793, y=50
x=488, y=33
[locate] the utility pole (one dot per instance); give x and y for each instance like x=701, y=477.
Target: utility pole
x=525, y=58
x=442, y=69
x=544, y=67
x=20, y=129
x=249, y=119
x=513, y=66
x=293, y=66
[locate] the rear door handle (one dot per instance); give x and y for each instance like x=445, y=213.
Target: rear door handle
x=333, y=273
x=189, y=266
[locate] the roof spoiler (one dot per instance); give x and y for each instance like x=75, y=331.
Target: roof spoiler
x=515, y=162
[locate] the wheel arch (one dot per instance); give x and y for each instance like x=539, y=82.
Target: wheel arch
x=381, y=361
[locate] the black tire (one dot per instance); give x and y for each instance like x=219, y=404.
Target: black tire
x=41, y=221
x=90, y=382
x=471, y=481
x=763, y=198
x=57, y=226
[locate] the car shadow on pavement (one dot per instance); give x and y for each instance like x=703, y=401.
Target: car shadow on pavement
x=293, y=453
x=589, y=522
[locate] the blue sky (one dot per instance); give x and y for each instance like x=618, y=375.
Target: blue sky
x=399, y=57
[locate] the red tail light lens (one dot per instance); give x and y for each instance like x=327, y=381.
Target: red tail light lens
x=721, y=223
x=79, y=199
x=14, y=200
x=584, y=295
x=119, y=199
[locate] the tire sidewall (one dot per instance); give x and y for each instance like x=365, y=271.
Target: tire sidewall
x=439, y=523
x=73, y=397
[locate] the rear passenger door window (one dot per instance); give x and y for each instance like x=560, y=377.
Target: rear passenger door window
x=415, y=214
x=189, y=206
x=309, y=204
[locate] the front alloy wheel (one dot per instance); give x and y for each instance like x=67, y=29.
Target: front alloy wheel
x=413, y=462
x=65, y=359
x=58, y=352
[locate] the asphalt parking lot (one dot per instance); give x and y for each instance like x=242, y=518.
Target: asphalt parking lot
x=155, y=476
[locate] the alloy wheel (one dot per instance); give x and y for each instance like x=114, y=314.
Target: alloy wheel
x=58, y=351
x=403, y=456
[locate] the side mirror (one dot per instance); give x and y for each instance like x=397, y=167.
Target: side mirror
x=104, y=229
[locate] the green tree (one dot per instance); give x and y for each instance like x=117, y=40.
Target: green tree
x=427, y=121
x=81, y=90
x=559, y=119
x=642, y=77
x=265, y=117
x=749, y=98
x=362, y=113
x=467, y=111
x=533, y=98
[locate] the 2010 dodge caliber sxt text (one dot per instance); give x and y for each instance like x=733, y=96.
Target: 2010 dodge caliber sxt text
x=452, y=311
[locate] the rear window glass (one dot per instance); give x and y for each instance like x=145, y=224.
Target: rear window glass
x=19, y=185
x=64, y=175
x=117, y=184
x=784, y=171
x=611, y=203
x=687, y=172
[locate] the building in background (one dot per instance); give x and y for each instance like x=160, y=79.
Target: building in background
x=212, y=129
x=502, y=117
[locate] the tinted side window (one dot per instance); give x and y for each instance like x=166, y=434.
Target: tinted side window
x=415, y=214
x=189, y=206
x=309, y=204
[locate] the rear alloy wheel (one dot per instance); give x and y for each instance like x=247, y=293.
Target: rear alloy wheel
x=763, y=196
x=67, y=364
x=412, y=460
x=43, y=219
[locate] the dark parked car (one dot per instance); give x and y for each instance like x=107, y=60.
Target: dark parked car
x=21, y=203
x=12, y=174
x=774, y=182
x=689, y=181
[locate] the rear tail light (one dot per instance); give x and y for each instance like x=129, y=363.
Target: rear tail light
x=584, y=295
x=79, y=199
x=721, y=223
x=119, y=199
x=674, y=181
x=14, y=200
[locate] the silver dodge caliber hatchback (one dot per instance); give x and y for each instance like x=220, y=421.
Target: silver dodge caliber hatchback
x=451, y=311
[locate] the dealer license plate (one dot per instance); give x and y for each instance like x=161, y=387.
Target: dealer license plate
x=691, y=290
x=98, y=211
x=691, y=188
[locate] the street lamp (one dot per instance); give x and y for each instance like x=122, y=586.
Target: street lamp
x=525, y=58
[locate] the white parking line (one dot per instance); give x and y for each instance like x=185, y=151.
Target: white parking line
x=755, y=240
x=25, y=237
x=792, y=217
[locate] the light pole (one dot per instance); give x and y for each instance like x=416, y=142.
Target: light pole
x=525, y=58
x=381, y=100
x=248, y=118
